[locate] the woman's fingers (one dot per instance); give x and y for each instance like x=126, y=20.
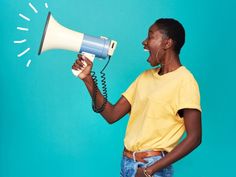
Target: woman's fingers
x=83, y=64
x=78, y=64
x=85, y=59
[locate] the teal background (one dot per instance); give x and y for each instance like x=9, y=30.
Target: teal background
x=47, y=126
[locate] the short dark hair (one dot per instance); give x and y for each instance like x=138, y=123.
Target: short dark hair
x=174, y=30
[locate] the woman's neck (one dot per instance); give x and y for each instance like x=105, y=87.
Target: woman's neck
x=170, y=63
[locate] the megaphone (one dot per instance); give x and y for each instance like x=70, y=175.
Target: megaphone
x=56, y=36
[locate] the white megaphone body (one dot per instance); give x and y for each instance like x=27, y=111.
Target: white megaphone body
x=56, y=36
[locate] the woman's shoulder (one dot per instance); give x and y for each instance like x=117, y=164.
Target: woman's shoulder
x=186, y=74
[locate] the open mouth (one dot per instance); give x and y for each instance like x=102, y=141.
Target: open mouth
x=149, y=57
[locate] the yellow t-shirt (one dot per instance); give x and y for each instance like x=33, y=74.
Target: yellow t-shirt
x=155, y=99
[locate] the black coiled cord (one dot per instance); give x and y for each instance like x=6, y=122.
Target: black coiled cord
x=95, y=88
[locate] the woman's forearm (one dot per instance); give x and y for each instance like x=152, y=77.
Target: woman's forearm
x=181, y=150
x=107, y=112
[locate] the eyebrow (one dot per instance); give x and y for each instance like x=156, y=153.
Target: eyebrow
x=150, y=31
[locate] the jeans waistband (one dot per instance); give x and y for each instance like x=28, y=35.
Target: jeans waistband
x=141, y=155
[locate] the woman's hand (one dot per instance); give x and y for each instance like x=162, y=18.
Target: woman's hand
x=84, y=64
x=140, y=173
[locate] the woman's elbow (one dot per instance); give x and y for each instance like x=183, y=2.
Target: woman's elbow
x=197, y=140
x=110, y=120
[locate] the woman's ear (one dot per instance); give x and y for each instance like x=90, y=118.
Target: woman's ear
x=169, y=43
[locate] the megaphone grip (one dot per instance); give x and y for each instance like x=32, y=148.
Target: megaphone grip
x=87, y=55
x=77, y=72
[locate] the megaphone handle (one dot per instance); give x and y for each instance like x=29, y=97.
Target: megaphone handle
x=87, y=55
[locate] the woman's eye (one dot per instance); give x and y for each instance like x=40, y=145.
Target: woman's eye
x=150, y=37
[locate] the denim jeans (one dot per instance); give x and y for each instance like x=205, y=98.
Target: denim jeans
x=129, y=167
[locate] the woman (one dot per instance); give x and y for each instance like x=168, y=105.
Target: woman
x=163, y=102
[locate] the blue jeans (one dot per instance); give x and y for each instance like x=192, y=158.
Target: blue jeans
x=129, y=167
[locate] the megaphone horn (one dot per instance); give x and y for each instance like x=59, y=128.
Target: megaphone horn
x=56, y=36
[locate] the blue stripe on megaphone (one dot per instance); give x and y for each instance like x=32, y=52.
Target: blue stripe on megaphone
x=95, y=45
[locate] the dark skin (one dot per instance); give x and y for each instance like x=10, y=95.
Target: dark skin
x=161, y=49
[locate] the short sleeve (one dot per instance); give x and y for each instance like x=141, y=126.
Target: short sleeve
x=130, y=93
x=188, y=95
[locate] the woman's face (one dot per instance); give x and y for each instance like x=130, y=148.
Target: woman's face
x=154, y=43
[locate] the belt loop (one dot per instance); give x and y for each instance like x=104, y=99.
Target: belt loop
x=163, y=154
x=134, y=155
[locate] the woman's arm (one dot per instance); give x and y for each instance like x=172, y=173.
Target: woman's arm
x=111, y=113
x=192, y=122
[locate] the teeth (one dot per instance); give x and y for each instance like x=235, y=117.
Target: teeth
x=146, y=50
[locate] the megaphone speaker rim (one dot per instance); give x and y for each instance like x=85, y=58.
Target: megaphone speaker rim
x=44, y=33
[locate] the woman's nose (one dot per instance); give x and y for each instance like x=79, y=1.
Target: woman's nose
x=144, y=42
